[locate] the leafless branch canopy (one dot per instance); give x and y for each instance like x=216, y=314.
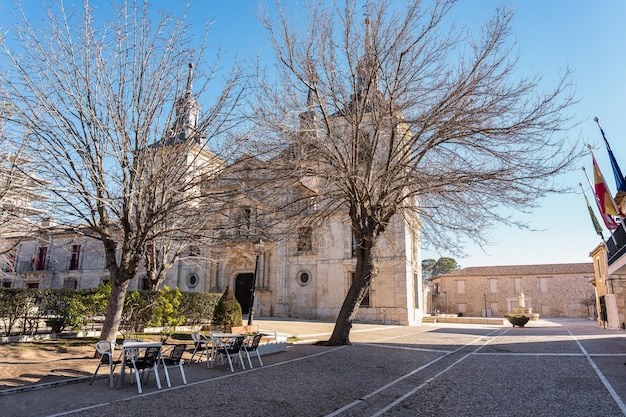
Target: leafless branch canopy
x=407, y=114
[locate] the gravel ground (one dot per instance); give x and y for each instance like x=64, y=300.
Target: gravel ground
x=548, y=368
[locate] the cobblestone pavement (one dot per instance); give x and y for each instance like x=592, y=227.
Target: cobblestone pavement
x=548, y=368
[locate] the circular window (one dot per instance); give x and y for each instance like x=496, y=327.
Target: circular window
x=192, y=280
x=304, y=278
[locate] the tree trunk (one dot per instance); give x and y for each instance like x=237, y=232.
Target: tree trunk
x=359, y=287
x=114, y=310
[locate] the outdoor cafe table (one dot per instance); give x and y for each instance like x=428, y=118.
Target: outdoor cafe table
x=128, y=348
x=219, y=339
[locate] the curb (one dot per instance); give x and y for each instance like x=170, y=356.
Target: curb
x=45, y=385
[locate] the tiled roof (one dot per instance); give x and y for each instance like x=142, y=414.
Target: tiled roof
x=510, y=270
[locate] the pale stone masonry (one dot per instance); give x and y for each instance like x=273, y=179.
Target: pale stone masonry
x=551, y=290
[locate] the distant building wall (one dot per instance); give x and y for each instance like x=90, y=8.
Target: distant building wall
x=552, y=290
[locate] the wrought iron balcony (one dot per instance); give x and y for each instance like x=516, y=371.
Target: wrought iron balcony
x=616, y=245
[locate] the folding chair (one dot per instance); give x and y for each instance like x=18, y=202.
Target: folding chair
x=175, y=359
x=252, y=345
x=105, y=350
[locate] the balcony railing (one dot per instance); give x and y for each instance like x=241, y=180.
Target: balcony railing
x=616, y=245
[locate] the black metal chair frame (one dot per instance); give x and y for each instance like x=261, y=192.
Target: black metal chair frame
x=148, y=362
x=175, y=358
x=252, y=345
x=231, y=348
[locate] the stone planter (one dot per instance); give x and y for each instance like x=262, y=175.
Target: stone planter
x=518, y=321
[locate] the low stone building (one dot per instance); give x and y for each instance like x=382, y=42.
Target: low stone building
x=551, y=290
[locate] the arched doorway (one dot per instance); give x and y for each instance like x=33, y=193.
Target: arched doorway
x=243, y=291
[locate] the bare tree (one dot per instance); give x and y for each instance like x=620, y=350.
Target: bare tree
x=122, y=156
x=408, y=116
x=20, y=191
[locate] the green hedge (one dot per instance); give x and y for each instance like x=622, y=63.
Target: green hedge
x=23, y=309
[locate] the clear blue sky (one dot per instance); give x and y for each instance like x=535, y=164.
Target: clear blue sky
x=589, y=37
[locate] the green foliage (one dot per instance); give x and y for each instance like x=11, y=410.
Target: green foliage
x=165, y=311
x=432, y=268
x=227, y=311
x=137, y=312
x=64, y=309
x=22, y=309
x=15, y=304
x=198, y=307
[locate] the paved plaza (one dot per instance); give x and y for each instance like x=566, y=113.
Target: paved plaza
x=548, y=368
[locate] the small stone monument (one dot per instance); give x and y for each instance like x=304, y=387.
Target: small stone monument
x=521, y=309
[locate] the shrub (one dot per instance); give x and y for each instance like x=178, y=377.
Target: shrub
x=198, y=307
x=227, y=311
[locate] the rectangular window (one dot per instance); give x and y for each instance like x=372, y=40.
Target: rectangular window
x=247, y=219
x=517, y=285
x=6, y=284
x=460, y=287
x=494, y=308
x=416, y=290
x=493, y=285
x=40, y=261
x=366, y=299
x=305, y=240
x=543, y=284
x=32, y=285
x=353, y=247
x=75, y=257
x=145, y=284
x=70, y=284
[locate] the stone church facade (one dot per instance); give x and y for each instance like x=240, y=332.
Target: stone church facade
x=293, y=279
x=303, y=269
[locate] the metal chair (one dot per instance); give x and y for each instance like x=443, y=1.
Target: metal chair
x=149, y=361
x=174, y=359
x=231, y=348
x=252, y=345
x=105, y=350
x=201, y=345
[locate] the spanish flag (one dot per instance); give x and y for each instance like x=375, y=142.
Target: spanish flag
x=603, y=197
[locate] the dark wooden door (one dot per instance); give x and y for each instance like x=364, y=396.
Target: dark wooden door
x=243, y=291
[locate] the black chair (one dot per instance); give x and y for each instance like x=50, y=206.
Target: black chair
x=231, y=348
x=175, y=359
x=252, y=345
x=149, y=361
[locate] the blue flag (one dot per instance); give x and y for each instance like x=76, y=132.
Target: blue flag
x=619, y=178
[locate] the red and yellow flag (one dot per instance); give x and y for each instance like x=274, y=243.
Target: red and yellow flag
x=606, y=205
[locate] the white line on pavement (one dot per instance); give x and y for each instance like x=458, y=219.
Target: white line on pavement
x=606, y=383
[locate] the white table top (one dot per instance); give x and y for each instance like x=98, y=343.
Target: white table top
x=141, y=345
x=224, y=335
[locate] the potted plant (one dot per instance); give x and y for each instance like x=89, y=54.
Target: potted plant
x=518, y=320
